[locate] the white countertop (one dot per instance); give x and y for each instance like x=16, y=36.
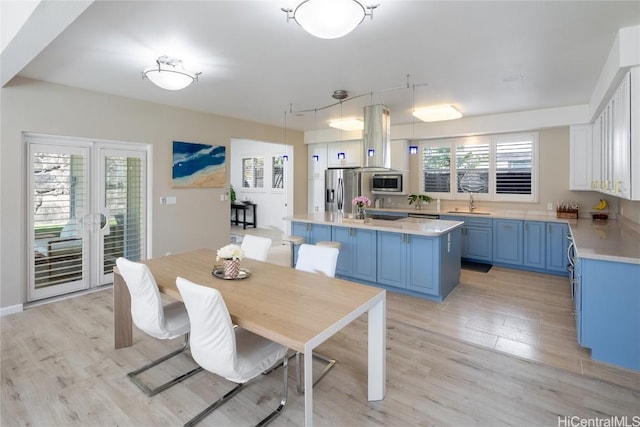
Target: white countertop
x=610, y=240
x=417, y=226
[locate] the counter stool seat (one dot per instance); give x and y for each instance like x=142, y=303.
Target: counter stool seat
x=292, y=241
x=329, y=243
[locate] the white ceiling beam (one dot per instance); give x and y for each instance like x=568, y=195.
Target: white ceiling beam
x=624, y=53
x=474, y=125
x=48, y=20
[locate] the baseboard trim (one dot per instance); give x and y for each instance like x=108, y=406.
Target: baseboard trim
x=4, y=311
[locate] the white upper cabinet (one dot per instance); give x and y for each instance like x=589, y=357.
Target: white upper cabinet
x=621, y=127
x=596, y=155
x=580, y=155
x=317, y=160
x=352, y=154
x=616, y=143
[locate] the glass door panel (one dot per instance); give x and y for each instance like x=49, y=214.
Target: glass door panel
x=80, y=222
x=122, y=207
x=58, y=203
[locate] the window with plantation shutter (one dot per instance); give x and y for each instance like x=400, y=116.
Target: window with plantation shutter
x=277, y=172
x=253, y=172
x=472, y=168
x=436, y=167
x=491, y=167
x=513, y=167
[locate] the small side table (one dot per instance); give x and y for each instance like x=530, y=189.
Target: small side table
x=236, y=207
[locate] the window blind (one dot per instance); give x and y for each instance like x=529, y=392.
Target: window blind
x=513, y=167
x=436, y=166
x=472, y=168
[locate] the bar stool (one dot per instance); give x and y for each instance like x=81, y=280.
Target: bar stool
x=329, y=243
x=293, y=242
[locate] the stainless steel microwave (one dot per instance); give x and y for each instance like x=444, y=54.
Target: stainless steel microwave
x=387, y=183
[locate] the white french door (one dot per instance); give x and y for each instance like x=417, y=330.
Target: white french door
x=88, y=206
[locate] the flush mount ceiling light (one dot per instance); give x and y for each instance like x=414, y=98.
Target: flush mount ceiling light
x=169, y=73
x=437, y=113
x=329, y=19
x=347, y=124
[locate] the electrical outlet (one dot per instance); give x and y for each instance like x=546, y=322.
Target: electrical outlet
x=549, y=206
x=171, y=200
x=222, y=197
x=163, y=200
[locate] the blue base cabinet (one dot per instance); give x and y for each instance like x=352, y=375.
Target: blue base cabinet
x=357, y=253
x=556, y=247
x=507, y=241
x=420, y=264
x=534, y=244
x=312, y=233
x=477, y=237
x=608, y=318
x=392, y=258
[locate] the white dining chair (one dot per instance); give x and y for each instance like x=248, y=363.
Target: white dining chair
x=323, y=260
x=230, y=352
x=256, y=247
x=317, y=259
x=154, y=319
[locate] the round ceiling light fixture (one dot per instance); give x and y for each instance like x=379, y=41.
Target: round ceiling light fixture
x=329, y=19
x=170, y=74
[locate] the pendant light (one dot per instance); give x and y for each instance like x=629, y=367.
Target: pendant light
x=413, y=149
x=315, y=157
x=285, y=157
x=341, y=154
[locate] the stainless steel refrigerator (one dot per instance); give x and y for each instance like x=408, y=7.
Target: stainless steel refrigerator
x=340, y=187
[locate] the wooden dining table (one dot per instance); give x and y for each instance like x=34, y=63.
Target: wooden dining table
x=297, y=309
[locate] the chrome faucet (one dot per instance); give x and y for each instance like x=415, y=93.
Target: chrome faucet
x=472, y=205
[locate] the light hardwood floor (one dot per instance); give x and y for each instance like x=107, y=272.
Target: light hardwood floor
x=498, y=351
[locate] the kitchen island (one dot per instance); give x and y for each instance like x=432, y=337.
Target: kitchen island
x=414, y=256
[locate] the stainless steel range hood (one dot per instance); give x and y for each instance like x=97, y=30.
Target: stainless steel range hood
x=377, y=138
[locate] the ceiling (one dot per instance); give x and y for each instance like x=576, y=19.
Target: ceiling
x=482, y=57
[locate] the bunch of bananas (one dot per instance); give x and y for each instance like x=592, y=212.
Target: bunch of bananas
x=602, y=205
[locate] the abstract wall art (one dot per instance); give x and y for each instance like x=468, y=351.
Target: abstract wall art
x=198, y=165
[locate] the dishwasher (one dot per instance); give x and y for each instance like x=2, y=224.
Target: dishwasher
x=424, y=215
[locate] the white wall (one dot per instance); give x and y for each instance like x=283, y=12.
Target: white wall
x=199, y=219
x=272, y=203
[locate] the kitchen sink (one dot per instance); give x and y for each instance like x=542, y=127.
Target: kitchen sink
x=469, y=213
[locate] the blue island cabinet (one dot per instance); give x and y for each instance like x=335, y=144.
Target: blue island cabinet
x=357, y=253
x=420, y=265
x=312, y=233
x=608, y=311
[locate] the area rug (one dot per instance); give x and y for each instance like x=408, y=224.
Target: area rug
x=476, y=266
